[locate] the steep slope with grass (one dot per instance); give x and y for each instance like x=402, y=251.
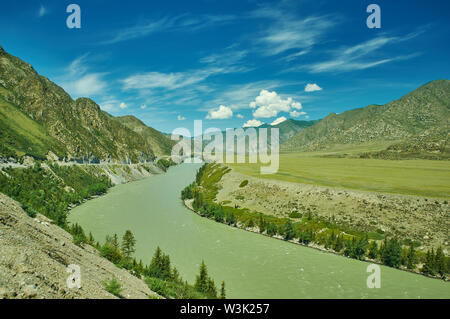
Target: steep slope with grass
x=426, y=109
x=159, y=143
x=20, y=135
x=79, y=129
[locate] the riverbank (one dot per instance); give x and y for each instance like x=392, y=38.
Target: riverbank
x=307, y=229
x=255, y=230
x=422, y=220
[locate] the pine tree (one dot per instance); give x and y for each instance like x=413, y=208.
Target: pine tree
x=440, y=265
x=128, y=243
x=222, y=291
x=154, y=269
x=330, y=241
x=288, y=231
x=211, y=291
x=201, y=281
x=175, y=276
x=339, y=243
x=392, y=253
x=360, y=248
x=113, y=241
x=261, y=224
x=373, y=250
x=91, y=239
x=411, y=258
x=428, y=267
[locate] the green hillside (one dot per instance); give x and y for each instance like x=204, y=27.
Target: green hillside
x=20, y=135
x=73, y=129
x=159, y=142
x=423, y=115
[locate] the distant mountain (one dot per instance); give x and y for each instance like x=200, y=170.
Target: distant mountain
x=159, y=142
x=38, y=116
x=419, y=118
x=289, y=128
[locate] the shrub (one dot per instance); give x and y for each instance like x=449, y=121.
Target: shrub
x=243, y=183
x=113, y=287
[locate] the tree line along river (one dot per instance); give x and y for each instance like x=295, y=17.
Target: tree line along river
x=253, y=266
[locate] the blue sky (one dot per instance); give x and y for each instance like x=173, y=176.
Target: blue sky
x=230, y=62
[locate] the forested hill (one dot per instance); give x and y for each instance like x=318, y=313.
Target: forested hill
x=416, y=124
x=37, y=116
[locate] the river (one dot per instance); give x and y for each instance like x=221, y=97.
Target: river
x=252, y=265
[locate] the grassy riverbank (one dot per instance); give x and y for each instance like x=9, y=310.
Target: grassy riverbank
x=311, y=230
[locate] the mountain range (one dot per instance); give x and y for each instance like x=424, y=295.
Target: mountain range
x=416, y=125
x=39, y=119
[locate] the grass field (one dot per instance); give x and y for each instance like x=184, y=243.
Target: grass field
x=19, y=134
x=414, y=177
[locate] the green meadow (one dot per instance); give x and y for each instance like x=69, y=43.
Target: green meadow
x=413, y=177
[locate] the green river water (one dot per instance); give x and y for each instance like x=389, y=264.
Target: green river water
x=252, y=265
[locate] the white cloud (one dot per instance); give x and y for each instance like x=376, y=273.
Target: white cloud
x=222, y=113
x=362, y=56
x=180, y=118
x=123, y=105
x=143, y=107
x=252, y=123
x=78, y=82
x=153, y=80
x=85, y=86
x=312, y=87
x=294, y=56
x=269, y=104
x=278, y=121
x=182, y=22
x=175, y=80
x=238, y=95
x=226, y=58
x=42, y=11
x=110, y=104
x=240, y=116
x=296, y=113
x=287, y=32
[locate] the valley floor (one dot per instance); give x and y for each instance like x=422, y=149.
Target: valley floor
x=428, y=178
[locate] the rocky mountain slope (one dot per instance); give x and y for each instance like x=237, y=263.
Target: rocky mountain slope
x=49, y=116
x=35, y=255
x=423, y=114
x=159, y=142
